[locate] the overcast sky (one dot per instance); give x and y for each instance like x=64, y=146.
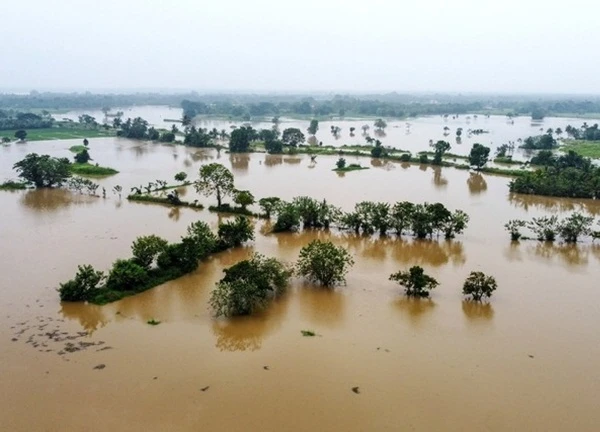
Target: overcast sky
x=310, y=45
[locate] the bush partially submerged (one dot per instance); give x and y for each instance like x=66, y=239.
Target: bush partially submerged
x=249, y=285
x=324, y=263
x=415, y=282
x=83, y=286
x=478, y=285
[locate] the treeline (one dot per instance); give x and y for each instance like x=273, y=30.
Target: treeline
x=138, y=129
x=585, y=132
x=155, y=261
x=10, y=119
x=548, y=228
x=567, y=175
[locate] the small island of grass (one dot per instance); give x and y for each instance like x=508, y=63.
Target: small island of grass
x=351, y=167
x=77, y=148
x=13, y=185
x=583, y=148
x=86, y=169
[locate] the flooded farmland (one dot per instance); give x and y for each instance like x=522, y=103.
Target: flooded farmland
x=525, y=361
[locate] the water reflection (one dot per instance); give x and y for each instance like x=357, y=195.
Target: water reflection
x=572, y=255
x=414, y=309
x=272, y=160
x=428, y=252
x=202, y=155
x=293, y=160
x=477, y=311
x=41, y=200
x=239, y=161
x=91, y=317
x=476, y=183
x=248, y=332
x=438, y=180
x=322, y=306
x=554, y=204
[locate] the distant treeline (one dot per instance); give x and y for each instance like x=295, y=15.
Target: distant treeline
x=262, y=105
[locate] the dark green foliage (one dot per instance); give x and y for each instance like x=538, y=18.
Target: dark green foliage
x=10, y=119
x=180, y=176
x=182, y=256
x=313, y=127
x=341, y=163
x=292, y=137
x=234, y=233
x=423, y=158
x=126, y=275
x=405, y=157
x=13, y=185
x=82, y=157
x=288, y=218
x=544, y=158
x=540, y=142
x=513, y=227
x=440, y=148
x=136, y=129
x=269, y=205
x=324, y=263
x=201, y=234
x=478, y=156
x=274, y=147
x=243, y=198
x=378, y=151
x=380, y=124
x=197, y=137
x=241, y=138
x=249, y=285
x=153, y=322
x=83, y=286
x=545, y=227
x=21, y=134
x=315, y=214
x=146, y=249
x=308, y=333
x=167, y=137
x=478, y=285
x=153, y=134
x=43, y=171
x=570, y=175
x=575, y=226
x=415, y=281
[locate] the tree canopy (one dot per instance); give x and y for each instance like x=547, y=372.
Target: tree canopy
x=324, y=263
x=214, y=179
x=44, y=170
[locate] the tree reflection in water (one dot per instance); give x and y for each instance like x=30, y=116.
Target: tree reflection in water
x=324, y=307
x=90, y=316
x=272, y=160
x=48, y=200
x=239, y=161
x=476, y=183
x=414, y=308
x=438, y=180
x=477, y=311
x=554, y=204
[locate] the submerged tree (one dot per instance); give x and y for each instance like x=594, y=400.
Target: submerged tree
x=146, y=249
x=324, y=263
x=513, y=227
x=249, y=285
x=215, y=179
x=313, y=127
x=479, y=156
x=269, y=205
x=43, y=171
x=478, y=285
x=575, y=226
x=83, y=286
x=439, y=149
x=415, y=282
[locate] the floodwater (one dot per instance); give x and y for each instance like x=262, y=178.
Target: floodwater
x=412, y=135
x=527, y=360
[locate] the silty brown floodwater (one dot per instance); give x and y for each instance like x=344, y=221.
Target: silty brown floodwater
x=525, y=361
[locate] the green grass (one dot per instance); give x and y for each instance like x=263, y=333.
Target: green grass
x=227, y=208
x=13, y=185
x=77, y=148
x=57, y=133
x=351, y=167
x=589, y=149
x=162, y=200
x=92, y=170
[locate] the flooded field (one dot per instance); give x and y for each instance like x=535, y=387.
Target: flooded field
x=525, y=361
x=411, y=134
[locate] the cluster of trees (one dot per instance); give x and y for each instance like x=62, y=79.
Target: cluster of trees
x=10, y=119
x=138, y=129
x=155, y=261
x=548, y=228
x=422, y=220
x=569, y=175
x=43, y=170
x=587, y=133
x=539, y=142
x=417, y=283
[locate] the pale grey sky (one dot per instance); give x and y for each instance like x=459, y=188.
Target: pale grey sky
x=309, y=45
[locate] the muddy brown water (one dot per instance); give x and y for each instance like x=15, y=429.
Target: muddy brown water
x=526, y=361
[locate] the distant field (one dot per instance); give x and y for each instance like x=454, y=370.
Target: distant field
x=58, y=133
x=589, y=149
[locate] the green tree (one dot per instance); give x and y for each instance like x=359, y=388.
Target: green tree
x=514, y=228
x=214, y=179
x=575, y=226
x=126, y=275
x=43, y=171
x=292, y=137
x=478, y=285
x=439, y=149
x=234, y=233
x=341, y=163
x=83, y=286
x=324, y=263
x=82, y=157
x=479, y=155
x=240, y=139
x=288, y=218
x=21, y=134
x=544, y=227
x=401, y=216
x=243, y=198
x=200, y=233
x=455, y=224
x=147, y=248
x=181, y=257
x=86, y=142
x=249, y=285
x=415, y=282
x=313, y=127
x=377, y=151
x=180, y=176
x=269, y=205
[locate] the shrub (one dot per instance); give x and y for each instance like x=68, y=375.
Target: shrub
x=288, y=218
x=405, y=157
x=341, y=163
x=324, y=263
x=204, y=238
x=234, y=233
x=146, y=248
x=513, y=227
x=243, y=198
x=423, y=158
x=574, y=226
x=182, y=256
x=83, y=286
x=126, y=275
x=415, y=281
x=479, y=285
x=180, y=176
x=269, y=205
x=82, y=157
x=248, y=286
